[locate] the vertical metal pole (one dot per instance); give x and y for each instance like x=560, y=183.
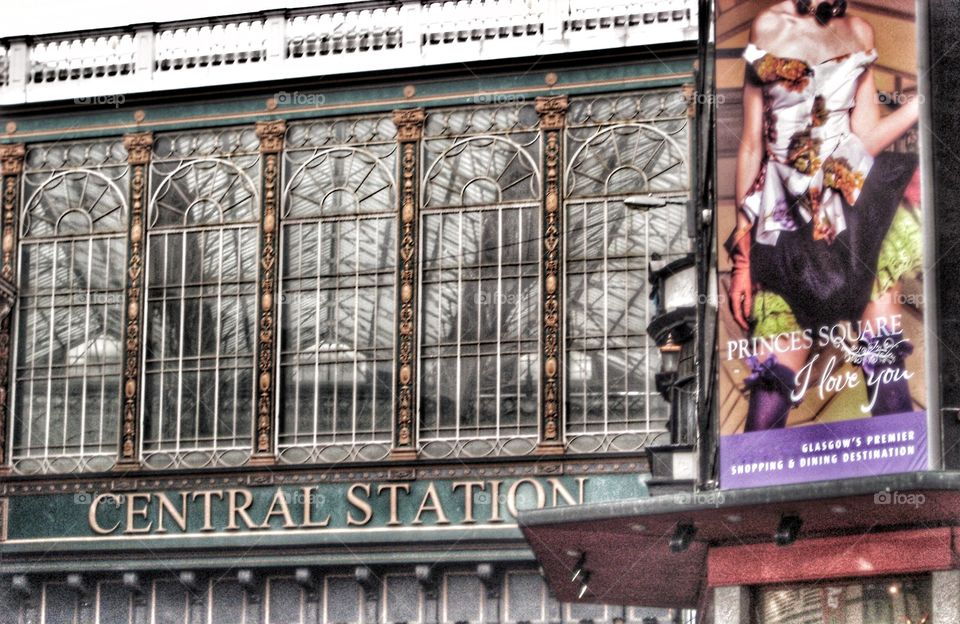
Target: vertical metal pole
x=703, y=202
x=937, y=89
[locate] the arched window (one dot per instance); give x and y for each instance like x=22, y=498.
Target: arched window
x=72, y=267
x=617, y=147
x=480, y=270
x=201, y=299
x=338, y=241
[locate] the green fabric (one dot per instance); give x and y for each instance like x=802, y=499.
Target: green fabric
x=900, y=255
x=772, y=315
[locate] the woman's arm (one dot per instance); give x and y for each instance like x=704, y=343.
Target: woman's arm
x=749, y=160
x=751, y=151
x=876, y=131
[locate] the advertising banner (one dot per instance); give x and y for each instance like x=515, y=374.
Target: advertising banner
x=821, y=328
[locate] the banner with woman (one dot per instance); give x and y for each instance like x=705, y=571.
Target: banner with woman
x=820, y=345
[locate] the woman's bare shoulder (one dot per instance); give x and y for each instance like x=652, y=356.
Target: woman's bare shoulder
x=770, y=23
x=862, y=30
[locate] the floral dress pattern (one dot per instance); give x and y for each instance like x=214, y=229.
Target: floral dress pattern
x=812, y=157
x=814, y=163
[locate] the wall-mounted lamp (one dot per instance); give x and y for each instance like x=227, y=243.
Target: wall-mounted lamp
x=682, y=536
x=132, y=582
x=247, y=580
x=670, y=356
x=578, y=567
x=425, y=576
x=188, y=579
x=78, y=583
x=584, y=585
x=491, y=578
x=788, y=530
x=21, y=584
x=305, y=578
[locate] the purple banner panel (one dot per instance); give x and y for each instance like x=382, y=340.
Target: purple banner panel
x=852, y=448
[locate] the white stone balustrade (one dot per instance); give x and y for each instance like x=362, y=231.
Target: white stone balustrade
x=327, y=41
x=76, y=59
x=4, y=67
x=203, y=46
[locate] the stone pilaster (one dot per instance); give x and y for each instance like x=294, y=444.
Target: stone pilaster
x=552, y=111
x=409, y=133
x=139, y=147
x=11, y=169
x=271, y=135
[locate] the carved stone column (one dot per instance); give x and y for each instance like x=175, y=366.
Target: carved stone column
x=139, y=147
x=271, y=135
x=552, y=111
x=409, y=132
x=11, y=168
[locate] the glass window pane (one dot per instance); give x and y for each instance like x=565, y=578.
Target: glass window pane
x=463, y=598
x=401, y=599
x=201, y=297
x=337, y=315
x=343, y=600
x=648, y=615
x=72, y=270
x=114, y=603
x=480, y=263
x=882, y=601
x=286, y=602
x=60, y=604
x=200, y=349
x=525, y=595
x=579, y=612
x=229, y=601
x=169, y=603
x=634, y=144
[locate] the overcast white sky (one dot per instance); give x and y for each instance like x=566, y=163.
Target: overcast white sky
x=34, y=17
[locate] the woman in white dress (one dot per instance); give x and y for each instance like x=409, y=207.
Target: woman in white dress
x=821, y=237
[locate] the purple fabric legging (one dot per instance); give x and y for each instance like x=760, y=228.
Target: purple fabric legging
x=770, y=387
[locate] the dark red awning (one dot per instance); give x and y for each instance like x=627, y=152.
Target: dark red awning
x=627, y=544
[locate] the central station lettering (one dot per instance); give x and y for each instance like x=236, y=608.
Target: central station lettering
x=357, y=505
